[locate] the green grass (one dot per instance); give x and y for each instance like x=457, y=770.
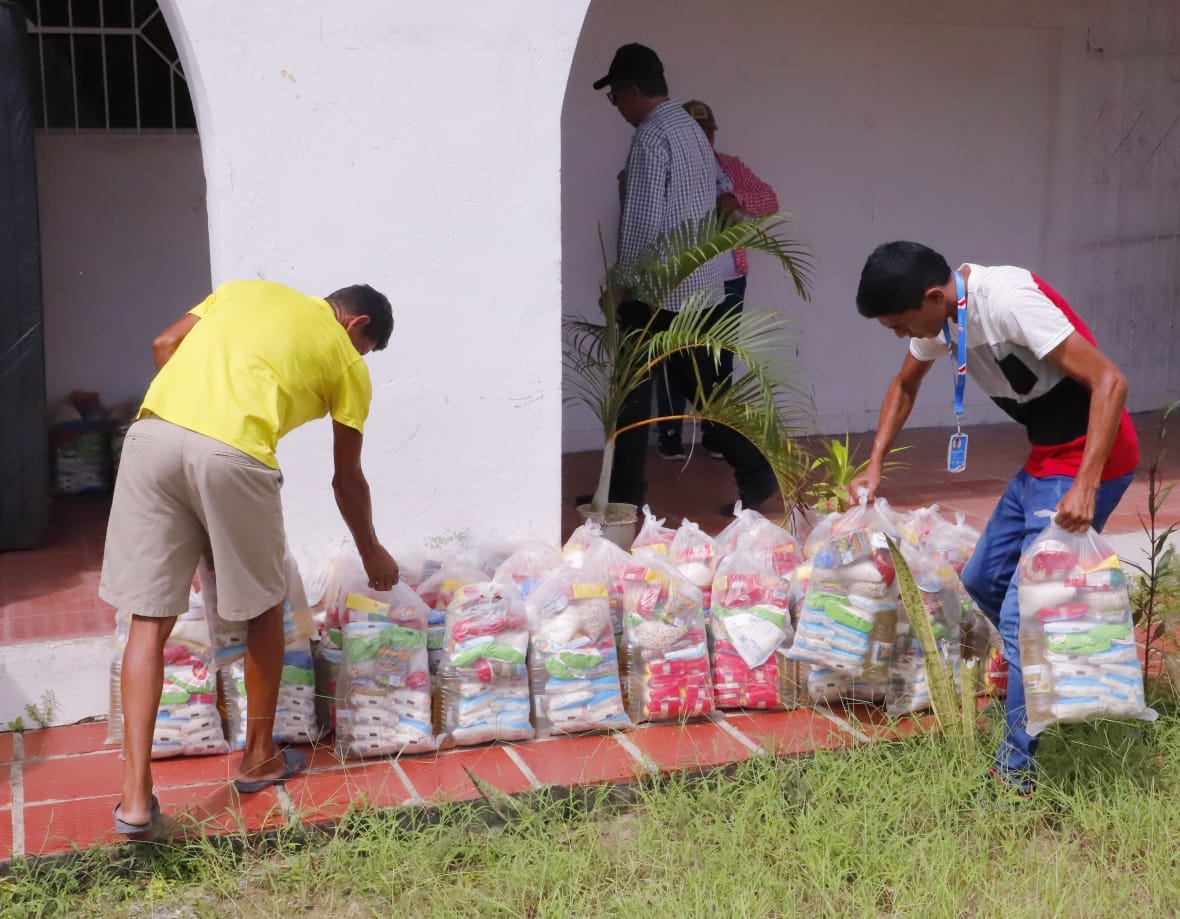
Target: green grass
x=886, y=830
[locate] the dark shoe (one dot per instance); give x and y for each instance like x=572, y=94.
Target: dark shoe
x=711, y=447
x=753, y=495
x=294, y=763
x=669, y=447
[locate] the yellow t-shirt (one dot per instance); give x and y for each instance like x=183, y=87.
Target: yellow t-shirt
x=263, y=360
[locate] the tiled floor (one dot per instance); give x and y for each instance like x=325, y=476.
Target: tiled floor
x=58, y=786
x=698, y=488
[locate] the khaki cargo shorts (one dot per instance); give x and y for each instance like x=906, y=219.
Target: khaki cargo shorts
x=180, y=495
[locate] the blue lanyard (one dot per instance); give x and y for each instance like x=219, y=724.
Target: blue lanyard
x=961, y=364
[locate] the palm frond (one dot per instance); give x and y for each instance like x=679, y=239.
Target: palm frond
x=672, y=257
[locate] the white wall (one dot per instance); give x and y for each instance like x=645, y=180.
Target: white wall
x=962, y=125
x=124, y=250
x=414, y=147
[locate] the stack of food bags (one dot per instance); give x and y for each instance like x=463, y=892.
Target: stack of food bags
x=751, y=618
x=666, y=655
x=383, y=704
x=1077, y=638
x=296, y=719
x=848, y=617
x=188, y=722
x=589, y=550
x=573, y=661
x=436, y=592
x=483, y=678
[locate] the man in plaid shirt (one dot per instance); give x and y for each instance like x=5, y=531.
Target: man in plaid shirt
x=671, y=178
x=738, y=189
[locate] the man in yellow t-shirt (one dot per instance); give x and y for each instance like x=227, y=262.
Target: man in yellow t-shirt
x=198, y=475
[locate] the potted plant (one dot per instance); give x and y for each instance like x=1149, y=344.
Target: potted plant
x=610, y=362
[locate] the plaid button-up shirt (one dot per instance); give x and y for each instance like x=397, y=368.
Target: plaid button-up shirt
x=672, y=177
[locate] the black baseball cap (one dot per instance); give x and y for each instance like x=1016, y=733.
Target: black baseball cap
x=632, y=62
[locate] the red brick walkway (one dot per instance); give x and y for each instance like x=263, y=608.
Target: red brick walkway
x=58, y=786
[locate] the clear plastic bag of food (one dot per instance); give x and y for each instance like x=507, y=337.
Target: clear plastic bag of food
x=917, y=525
x=938, y=585
x=436, y=592
x=296, y=717
x=483, y=679
x=848, y=617
x=819, y=534
x=751, y=625
x=653, y=535
x=188, y=722
x=1077, y=639
x=527, y=565
x=573, y=661
x=666, y=670
x=383, y=705
x=607, y=562
x=953, y=542
x=694, y=554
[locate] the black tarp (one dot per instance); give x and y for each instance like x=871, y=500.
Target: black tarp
x=24, y=469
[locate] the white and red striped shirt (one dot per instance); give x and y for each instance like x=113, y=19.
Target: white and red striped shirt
x=1014, y=319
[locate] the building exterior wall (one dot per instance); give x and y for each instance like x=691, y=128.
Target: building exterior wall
x=415, y=147
x=1043, y=135
x=124, y=250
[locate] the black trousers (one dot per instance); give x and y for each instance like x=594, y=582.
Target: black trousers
x=669, y=404
x=750, y=468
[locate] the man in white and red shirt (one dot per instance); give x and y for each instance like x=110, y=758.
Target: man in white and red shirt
x=1036, y=360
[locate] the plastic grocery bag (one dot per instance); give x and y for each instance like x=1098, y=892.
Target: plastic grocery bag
x=573, y=661
x=909, y=689
x=819, y=534
x=695, y=555
x=188, y=722
x=751, y=626
x=666, y=672
x=436, y=592
x=483, y=679
x=848, y=617
x=607, y=562
x=653, y=534
x=527, y=565
x=296, y=719
x=1077, y=638
x=383, y=704
x=917, y=525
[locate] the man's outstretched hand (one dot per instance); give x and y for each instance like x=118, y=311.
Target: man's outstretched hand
x=381, y=568
x=1075, y=510
x=870, y=482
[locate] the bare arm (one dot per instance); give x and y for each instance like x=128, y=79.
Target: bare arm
x=165, y=344
x=1108, y=395
x=895, y=409
x=352, y=497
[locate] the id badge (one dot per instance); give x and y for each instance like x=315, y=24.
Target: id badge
x=956, y=453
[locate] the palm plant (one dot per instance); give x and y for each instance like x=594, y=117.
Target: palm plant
x=610, y=362
x=838, y=470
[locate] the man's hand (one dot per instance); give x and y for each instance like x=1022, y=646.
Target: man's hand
x=1075, y=510
x=381, y=568
x=870, y=481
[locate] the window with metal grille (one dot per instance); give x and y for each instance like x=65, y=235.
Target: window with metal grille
x=106, y=65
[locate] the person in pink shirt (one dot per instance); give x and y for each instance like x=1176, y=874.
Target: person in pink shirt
x=752, y=196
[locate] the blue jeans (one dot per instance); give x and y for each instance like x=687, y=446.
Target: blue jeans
x=989, y=578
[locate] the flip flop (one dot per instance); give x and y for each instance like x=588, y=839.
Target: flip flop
x=294, y=763
x=135, y=829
